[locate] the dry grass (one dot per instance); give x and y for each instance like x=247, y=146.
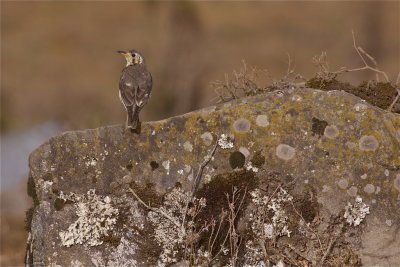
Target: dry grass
x=245, y=82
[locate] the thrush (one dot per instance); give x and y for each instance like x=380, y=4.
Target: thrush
x=134, y=86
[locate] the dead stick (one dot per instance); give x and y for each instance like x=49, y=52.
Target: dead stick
x=155, y=209
x=394, y=101
x=197, y=180
x=299, y=253
x=331, y=243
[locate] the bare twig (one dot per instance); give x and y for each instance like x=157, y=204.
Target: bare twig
x=330, y=246
x=244, y=82
x=326, y=75
x=305, y=222
x=299, y=253
x=155, y=209
x=222, y=246
x=361, y=53
x=261, y=243
x=272, y=195
x=234, y=238
x=207, y=160
x=395, y=100
x=212, y=240
x=289, y=66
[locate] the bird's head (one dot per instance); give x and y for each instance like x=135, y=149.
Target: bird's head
x=132, y=57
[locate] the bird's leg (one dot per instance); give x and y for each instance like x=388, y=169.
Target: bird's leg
x=138, y=128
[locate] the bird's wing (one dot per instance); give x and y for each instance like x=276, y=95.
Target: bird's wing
x=128, y=87
x=144, y=89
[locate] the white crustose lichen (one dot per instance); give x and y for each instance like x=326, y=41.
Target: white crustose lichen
x=225, y=142
x=264, y=205
x=355, y=213
x=96, y=216
x=174, y=223
x=265, y=229
x=250, y=167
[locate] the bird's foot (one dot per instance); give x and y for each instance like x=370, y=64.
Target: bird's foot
x=138, y=128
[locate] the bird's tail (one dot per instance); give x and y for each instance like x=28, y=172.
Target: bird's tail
x=133, y=117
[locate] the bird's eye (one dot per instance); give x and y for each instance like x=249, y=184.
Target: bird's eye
x=133, y=54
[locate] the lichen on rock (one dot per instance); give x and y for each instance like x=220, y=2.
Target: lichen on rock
x=283, y=167
x=96, y=217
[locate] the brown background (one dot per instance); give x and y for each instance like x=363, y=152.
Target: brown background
x=59, y=60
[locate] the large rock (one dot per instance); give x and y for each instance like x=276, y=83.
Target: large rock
x=328, y=161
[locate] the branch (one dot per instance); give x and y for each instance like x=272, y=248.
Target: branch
x=305, y=222
x=361, y=52
x=322, y=62
x=289, y=65
x=159, y=211
x=331, y=243
x=207, y=160
x=395, y=100
x=299, y=253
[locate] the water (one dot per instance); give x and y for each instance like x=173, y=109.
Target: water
x=15, y=150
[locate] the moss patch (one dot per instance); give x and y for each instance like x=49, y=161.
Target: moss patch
x=378, y=94
x=59, y=204
x=258, y=159
x=149, y=249
x=325, y=85
x=215, y=192
x=114, y=237
x=154, y=165
x=48, y=177
x=129, y=166
x=318, y=126
x=307, y=208
x=237, y=160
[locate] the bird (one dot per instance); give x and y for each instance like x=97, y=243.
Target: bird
x=135, y=86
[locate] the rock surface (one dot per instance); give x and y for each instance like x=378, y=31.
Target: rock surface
x=327, y=165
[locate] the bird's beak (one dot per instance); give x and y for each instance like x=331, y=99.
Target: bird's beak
x=127, y=56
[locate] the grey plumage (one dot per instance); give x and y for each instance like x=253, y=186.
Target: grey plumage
x=134, y=87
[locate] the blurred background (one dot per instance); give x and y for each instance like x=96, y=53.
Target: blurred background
x=60, y=70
